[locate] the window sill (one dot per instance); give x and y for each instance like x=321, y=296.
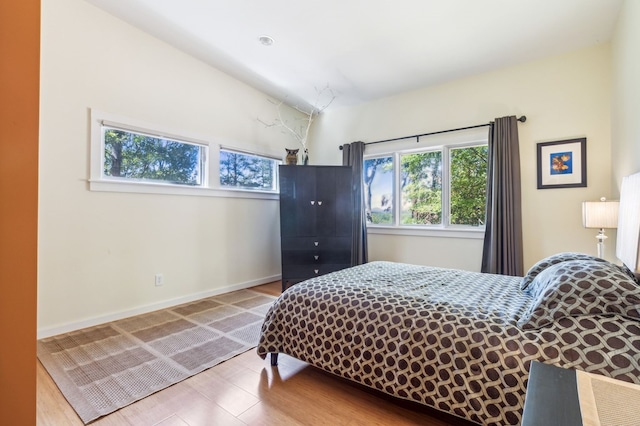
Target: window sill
x=158, y=188
x=469, y=233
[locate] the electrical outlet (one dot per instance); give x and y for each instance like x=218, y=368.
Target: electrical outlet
x=159, y=280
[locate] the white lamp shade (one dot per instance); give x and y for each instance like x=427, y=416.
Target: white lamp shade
x=600, y=214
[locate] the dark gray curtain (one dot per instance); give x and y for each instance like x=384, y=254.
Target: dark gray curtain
x=352, y=155
x=502, y=251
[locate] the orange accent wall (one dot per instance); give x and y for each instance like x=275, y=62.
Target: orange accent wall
x=19, y=99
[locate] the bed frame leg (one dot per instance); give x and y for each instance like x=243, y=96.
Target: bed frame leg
x=274, y=359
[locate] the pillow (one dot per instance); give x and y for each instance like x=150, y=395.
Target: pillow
x=580, y=288
x=552, y=260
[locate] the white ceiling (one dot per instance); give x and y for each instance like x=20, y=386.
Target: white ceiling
x=366, y=49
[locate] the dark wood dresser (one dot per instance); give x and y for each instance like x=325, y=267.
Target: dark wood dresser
x=316, y=207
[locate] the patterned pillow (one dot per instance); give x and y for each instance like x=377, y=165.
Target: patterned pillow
x=630, y=273
x=550, y=261
x=580, y=288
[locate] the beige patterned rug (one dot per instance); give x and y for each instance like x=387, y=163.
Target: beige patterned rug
x=106, y=367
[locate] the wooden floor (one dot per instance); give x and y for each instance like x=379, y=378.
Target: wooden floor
x=245, y=390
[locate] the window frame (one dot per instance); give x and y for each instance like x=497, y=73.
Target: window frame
x=202, y=163
x=210, y=186
x=277, y=161
x=444, y=169
x=445, y=229
x=449, y=182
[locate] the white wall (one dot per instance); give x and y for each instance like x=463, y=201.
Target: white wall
x=98, y=252
x=626, y=93
x=563, y=97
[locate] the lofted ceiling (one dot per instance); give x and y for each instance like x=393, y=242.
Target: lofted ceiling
x=366, y=49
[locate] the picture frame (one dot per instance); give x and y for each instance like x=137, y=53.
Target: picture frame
x=562, y=164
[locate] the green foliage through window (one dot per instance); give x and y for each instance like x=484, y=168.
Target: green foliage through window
x=468, y=185
x=247, y=171
x=430, y=193
x=421, y=188
x=378, y=190
x=136, y=156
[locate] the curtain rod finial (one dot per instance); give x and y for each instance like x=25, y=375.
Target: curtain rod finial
x=522, y=119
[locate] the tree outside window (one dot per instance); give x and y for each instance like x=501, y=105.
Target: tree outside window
x=421, y=188
x=247, y=171
x=378, y=190
x=469, y=185
x=425, y=186
x=135, y=156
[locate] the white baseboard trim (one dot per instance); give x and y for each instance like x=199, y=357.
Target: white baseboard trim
x=90, y=322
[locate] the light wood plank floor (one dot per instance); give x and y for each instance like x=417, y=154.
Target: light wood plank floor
x=246, y=390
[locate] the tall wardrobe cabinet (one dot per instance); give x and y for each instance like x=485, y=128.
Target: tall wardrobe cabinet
x=316, y=208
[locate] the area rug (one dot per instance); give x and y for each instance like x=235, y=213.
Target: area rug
x=104, y=368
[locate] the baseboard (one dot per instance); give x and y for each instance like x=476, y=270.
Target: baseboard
x=90, y=322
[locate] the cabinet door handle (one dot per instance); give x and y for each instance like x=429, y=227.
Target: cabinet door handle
x=316, y=270
x=312, y=203
x=315, y=243
x=316, y=257
x=319, y=203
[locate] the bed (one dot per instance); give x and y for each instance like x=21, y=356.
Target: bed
x=459, y=341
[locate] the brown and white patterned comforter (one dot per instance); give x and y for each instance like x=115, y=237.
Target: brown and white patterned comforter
x=460, y=341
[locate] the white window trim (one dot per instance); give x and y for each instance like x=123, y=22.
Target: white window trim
x=211, y=182
x=431, y=231
x=442, y=230
x=248, y=152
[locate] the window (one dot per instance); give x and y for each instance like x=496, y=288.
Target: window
x=468, y=172
x=436, y=188
x=131, y=155
x=378, y=189
x=421, y=188
x=247, y=171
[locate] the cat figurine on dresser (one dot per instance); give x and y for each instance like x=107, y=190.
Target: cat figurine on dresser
x=292, y=156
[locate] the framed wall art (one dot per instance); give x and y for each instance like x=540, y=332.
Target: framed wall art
x=562, y=164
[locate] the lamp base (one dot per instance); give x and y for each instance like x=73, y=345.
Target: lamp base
x=601, y=237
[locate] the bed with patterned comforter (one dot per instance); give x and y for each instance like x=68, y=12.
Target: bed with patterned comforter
x=461, y=341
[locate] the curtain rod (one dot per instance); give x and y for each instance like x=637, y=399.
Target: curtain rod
x=521, y=119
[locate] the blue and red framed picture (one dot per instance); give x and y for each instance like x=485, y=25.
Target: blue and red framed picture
x=562, y=164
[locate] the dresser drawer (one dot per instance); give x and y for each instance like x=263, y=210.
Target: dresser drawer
x=312, y=243
x=315, y=257
x=303, y=272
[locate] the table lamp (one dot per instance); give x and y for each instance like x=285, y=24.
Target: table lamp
x=602, y=215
